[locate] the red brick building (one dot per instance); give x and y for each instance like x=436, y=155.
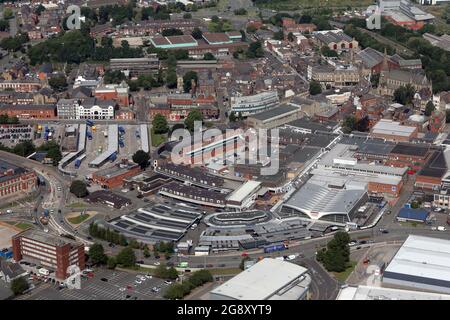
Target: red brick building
x=14, y=179
x=30, y=111
x=52, y=252
x=113, y=177
x=405, y=155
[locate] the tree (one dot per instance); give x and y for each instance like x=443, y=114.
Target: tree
x=79, y=189
x=251, y=28
x=404, y=94
x=429, y=108
x=447, y=116
x=290, y=37
x=141, y=158
x=172, y=32
x=240, y=12
x=107, y=42
x=111, y=264
x=126, y=257
x=97, y=254
x=146, y=252
x=232, y=116
x=160, y=124
x=197, y=33
x=242, y=264
x=187, y=16
x=327, y=52
x=255, y=50
x=192, y=117
x=314, y=88
x=188, y=78
x=337, y=254
x=172, y=273
x=4, y=25
x=175, y=291
x=349, y=124
x=8, y=13
x=58, y=83
x=208, y=56
x=279, y=35
x=19, y=285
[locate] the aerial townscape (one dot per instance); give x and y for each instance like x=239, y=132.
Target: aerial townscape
x=225, y=150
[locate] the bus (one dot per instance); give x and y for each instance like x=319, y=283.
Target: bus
x=183, y=265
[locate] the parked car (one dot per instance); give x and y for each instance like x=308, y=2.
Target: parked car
x=168, y=282
x=104, y=279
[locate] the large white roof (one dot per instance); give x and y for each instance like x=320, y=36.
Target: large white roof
x=244, y=191
x=379, y=293
x=260, y=281
x=393, y=128
x=423, y=257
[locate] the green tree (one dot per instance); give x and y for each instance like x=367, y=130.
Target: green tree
x=279, y=35
x=19, y=285
x=175, y=291
x=146, y=252
x=290, y=37
x=197, y=33
x=349, y=124
x=251, y=29
x=337, y=254
x=58, y=83
x=327, y=52
x=160, y=124
x=126, y=257
x=187, y=16
x=243, y=260
x=240, y=12
x=314, y=88
x=8, y=13
x=4, y=25
x=172, y=273
x=190, y=120
x=188, y=78
x=111, y=264
x=97, y=254
x=141, y=158
x=208, y=56
x=429, y=108
x=172, y=32
x=78, y=188
x=255, y=50
x=447, y=116
x=404, y=94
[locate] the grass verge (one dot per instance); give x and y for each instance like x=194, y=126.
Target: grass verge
x=78, y=219
x=157, y=139
x=342, y=276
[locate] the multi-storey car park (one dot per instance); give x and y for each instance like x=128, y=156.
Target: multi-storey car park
x=157, y=222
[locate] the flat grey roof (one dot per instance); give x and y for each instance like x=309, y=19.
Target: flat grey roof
x=261, y=281
x=423, y=257
x=280, y=111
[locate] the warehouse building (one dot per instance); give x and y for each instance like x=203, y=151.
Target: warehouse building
x=269, y=279
x=275, y=117
x=392, y=130
x=380, y=293
x=422, y=263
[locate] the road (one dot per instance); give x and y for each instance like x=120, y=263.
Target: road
x=56, y=197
